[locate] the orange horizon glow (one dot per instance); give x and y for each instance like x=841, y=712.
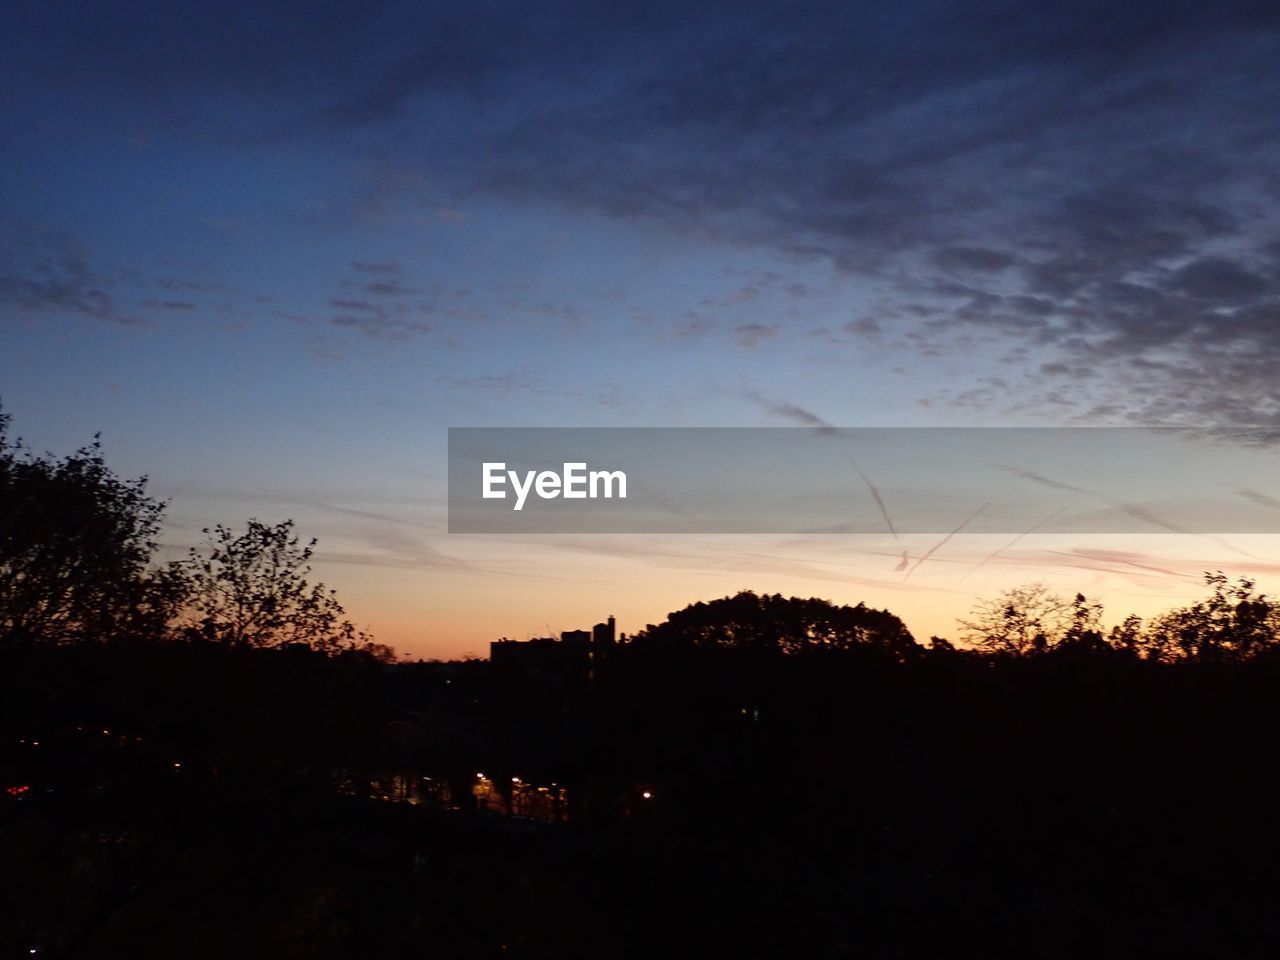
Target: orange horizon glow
x=542, y=588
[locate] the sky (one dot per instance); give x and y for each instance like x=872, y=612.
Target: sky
x=274, y=251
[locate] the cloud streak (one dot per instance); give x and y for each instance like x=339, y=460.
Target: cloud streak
x=806, y=418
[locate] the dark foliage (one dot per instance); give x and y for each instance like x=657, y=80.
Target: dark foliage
x=251, y=590
x=791, y=625
x=76, y=545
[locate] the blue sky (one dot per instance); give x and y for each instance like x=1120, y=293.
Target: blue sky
x=274, y=253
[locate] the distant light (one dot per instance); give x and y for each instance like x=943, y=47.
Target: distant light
x=647, y=795
x=481, y=776
x=177, y=764
x=515, y=779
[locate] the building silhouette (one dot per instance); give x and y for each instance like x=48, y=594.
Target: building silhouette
x=573, y=656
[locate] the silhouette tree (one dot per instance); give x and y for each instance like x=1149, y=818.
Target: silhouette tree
x=251, y=590
x=1234, y=623
x=789, y=625
x=76, y=549
x=1127, y=636
x=1084, y=629
x=1026, y=620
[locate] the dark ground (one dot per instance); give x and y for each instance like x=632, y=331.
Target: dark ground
x=1024, y=808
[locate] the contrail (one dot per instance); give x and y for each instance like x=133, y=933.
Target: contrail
x=875, y=494
x=1108, y=556
x=1042, y=479
x=808, y=418
x=991, y=556
x=943, y=542
x=1132, y=509
x=1261, y=499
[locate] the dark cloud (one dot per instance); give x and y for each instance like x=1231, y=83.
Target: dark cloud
x=387, y=269
x=979, y=259
x=384, y=308
x=48, y=272
x=178, y=305
x=1222, y=282
x=1085, y=191
x=754, y=334
x=378, y=325
x=387, y=289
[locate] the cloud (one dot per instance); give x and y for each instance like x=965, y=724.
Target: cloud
x=46, y=271
x=789, y=411
x=386, y=269
x=178, y=305
x=527, y=384
x=754, y=334
x=377, y=324
x=382, y=308
x=1082, y=193
x=384, y=288
x=975, y=259
x=1086, y=187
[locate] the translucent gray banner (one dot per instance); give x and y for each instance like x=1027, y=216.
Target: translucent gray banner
x=861, y=480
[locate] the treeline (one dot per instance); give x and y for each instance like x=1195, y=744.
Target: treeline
x=1234, y=623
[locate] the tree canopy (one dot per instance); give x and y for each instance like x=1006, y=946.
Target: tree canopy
x=252, y=590
x=1235, y=622
x=788, y=625
x=1031, y=619
x=76, y=549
